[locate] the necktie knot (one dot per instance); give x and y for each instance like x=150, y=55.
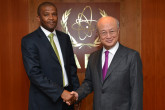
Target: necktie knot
x=51, y=35
x=106, y=53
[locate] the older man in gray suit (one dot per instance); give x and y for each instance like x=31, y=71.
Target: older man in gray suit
x=114, y=73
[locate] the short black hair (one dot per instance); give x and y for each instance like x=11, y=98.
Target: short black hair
x=44, y=4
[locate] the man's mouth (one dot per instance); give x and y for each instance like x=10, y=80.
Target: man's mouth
x=109, y=40
x=51, y=22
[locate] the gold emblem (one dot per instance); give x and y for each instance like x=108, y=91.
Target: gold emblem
x=77, y=26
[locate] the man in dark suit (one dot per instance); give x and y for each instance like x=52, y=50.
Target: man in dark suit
x=114, y=73
x=49, y=62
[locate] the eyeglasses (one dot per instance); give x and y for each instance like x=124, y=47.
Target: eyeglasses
x=105, y=33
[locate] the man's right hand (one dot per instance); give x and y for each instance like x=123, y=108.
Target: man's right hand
x=68, y=97
x=75, y=94
x=74, y=99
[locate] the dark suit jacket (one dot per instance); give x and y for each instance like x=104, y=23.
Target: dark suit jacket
x=44, y=70
x=122, y=88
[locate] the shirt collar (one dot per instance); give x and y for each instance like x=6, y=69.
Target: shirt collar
x=47, y=32
x=113, y=49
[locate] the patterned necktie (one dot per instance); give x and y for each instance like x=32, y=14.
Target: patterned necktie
x=51, y=35
x=105, y=67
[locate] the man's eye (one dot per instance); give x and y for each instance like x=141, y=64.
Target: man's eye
x=54, y=14
x=103, y=33
x=46, y=14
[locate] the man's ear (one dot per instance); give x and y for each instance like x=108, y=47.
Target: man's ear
x=38, y=18
x=119, y=31
x=97, y=33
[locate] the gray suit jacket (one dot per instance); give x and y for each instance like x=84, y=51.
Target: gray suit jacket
x=122, y=88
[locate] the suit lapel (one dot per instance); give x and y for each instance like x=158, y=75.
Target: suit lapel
x=62, y=46
x=47, y=44
x=115, y=61
x=99, y=65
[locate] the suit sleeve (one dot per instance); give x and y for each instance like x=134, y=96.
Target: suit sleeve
x=34, y=72
x=87, y=86
x=136, y=82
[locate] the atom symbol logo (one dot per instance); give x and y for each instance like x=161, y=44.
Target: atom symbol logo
x=83, y=25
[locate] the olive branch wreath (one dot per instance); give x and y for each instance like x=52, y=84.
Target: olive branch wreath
x=74, y=42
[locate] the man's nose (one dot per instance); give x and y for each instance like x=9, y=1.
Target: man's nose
x=50, y=16
x=109, y=34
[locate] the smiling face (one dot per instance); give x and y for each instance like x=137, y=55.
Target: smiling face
x=48, y=17
x=108, y=30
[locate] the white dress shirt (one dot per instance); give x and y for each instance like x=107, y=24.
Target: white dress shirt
x=59, y=51
x=112, y=52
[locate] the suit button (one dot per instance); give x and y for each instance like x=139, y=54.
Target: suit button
x=103, y=91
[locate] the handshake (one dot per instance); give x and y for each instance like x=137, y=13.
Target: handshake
x=69, y=97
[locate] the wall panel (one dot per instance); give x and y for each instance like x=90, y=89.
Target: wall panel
x=153, y=37
x=13, y=81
